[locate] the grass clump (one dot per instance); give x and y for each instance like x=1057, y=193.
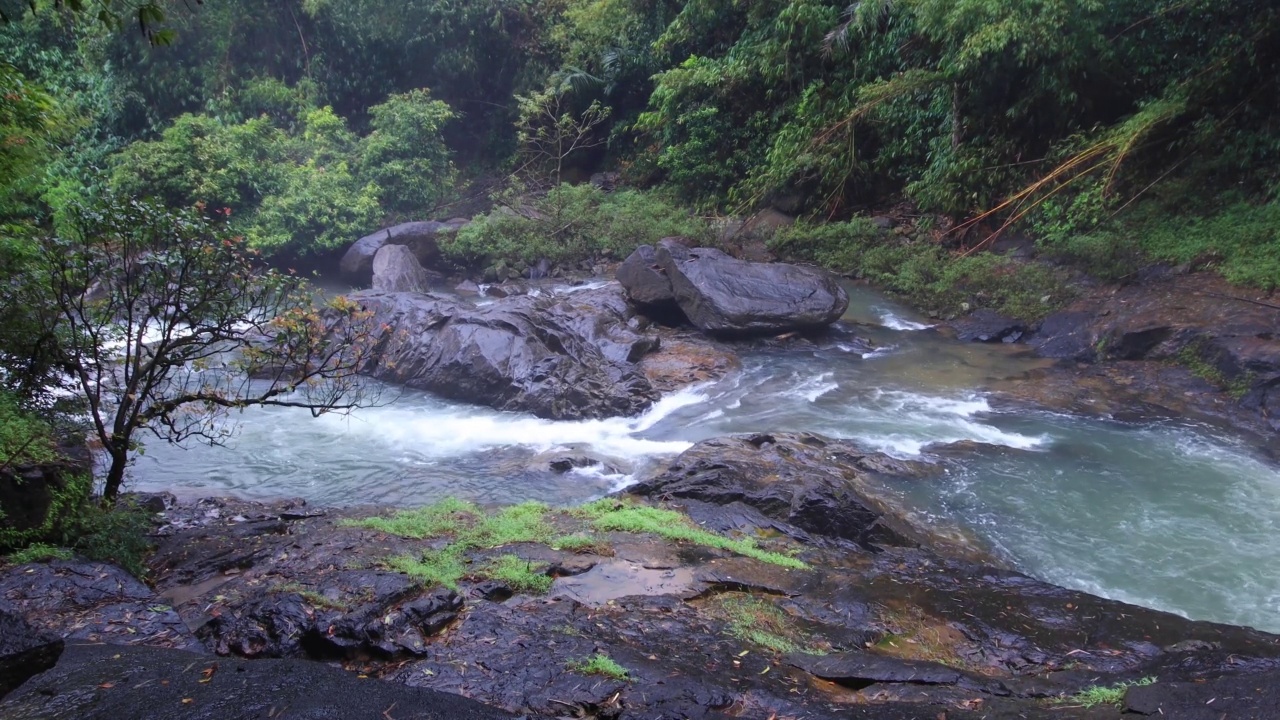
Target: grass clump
x=762, y=623
x=611, y=515
x=520, y=575
x=469, y=529
x=599, y=664
x=582, y=543
x=1193, y=357
x=433, y=567
x=1104, y=694
x=38, y=552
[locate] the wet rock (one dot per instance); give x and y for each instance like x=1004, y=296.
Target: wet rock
x=986, y=325
x=559, y=358
x=94, y=682
x=1250, y=696
x=1065, y=335
x=421, y=238
x=860, y=669
x=24, y=650
x=646, y=282
x=566, y=461
x=724, y=296
x=395, y=269
x=92, y=602
x=810, y=482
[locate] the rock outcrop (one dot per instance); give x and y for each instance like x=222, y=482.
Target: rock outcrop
x=562, y=358
x=422, y=238
x=24, y=650
x=112, y=682
x=726, y=297
x=395, y=269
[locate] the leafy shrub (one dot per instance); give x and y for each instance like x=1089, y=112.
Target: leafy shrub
x=318, y=208
x=569, y=224
x=927, y=274
x=405, y=154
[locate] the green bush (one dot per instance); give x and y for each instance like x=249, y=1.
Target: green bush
x=405, y=154
x=928, y=275
x=571, y=223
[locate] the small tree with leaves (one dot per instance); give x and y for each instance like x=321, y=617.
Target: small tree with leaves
x=165, y=322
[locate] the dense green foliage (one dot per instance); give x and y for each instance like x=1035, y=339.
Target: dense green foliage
x=1114, y=133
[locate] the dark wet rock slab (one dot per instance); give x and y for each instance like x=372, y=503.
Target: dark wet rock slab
x=988, y=326
x=1237, y=696
x=92, y=602
x=105, y=682
x=24, y=650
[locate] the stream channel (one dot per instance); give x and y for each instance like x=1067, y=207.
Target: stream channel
x=1166, y=514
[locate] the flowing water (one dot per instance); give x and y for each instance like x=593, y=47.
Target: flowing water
x=1169, y=515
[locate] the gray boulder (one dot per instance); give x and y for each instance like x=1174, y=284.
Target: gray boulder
x=395, y=269
x=422, y=238
x=724, y=296
x=645, y=282
x=560, y=358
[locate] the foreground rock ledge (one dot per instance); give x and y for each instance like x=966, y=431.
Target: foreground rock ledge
x=881, y=625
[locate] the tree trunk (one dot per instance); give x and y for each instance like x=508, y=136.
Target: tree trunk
x=115, y=476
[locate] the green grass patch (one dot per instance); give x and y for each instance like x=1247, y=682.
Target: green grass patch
x=38, y=552
x=433, y=567
x=760, y=622
x=599, y=664
x=612, y=515
x=582, y=543
x=1104, y=694
x=469, y=526
x=519, y=574
x=1193, y=358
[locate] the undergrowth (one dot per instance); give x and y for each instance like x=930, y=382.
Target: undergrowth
x=569, y=224
x=928, y=275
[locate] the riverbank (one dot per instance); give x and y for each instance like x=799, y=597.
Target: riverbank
x=718, y=588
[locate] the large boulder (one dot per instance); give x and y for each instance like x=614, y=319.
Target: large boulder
x=562, y=358
x=422, y=238
x=395, y=269
x=813, y=483
x=726, y=297
x=645, y=281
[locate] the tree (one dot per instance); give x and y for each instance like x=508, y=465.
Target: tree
x=166, y=323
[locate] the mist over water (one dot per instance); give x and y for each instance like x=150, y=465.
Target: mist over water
x=1168, y=515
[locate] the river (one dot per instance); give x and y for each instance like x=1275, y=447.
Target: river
x=1168, y=514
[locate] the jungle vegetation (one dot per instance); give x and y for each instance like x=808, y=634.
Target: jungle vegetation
x=1107, y=134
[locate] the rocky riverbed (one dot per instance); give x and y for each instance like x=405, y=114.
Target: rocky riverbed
x=757, y=575
x=843, y=606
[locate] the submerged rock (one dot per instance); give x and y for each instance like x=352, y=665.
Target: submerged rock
x=395, y=269
x=724, y=296
x=562, y=358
